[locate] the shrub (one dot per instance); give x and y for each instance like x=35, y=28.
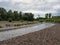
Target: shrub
x=8, y=25
x=41, y=21
x=17, y=25
x=10, y=20
x=1, y=27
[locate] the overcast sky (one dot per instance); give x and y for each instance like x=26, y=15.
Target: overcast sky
x=35, y=6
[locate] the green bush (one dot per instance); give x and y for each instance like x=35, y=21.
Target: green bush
x=41, y=21
x=10, y=20
x=8, y=25
x=1, y=27
x=57, y=21
x=17, y=25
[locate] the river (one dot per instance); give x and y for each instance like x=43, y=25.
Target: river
x=5, y=35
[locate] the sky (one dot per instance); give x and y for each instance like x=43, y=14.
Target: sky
x=37, y=7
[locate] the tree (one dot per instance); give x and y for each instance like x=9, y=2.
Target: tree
x=10, y=19
x=9, y=14
x=28, y=16
x=20, y=15
x=16, y=16
x=3, y=14
x=49, y=15
x=46, y=15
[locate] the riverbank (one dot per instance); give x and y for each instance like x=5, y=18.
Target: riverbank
x=5, y=35
x=6, y=26
x=48, y=36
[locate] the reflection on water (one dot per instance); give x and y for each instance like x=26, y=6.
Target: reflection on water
x=18, y=32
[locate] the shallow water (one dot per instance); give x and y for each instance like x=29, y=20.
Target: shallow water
x=19, y=32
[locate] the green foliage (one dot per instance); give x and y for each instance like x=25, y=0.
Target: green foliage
x=1, y=27
x=9, y=15
x=3, y=14
x=20, y=15
x=40, y=21
x=8, y=25
x=28, y=17
x=48, y=15
x=17, y=25
x=10, y=20
x=15, y=16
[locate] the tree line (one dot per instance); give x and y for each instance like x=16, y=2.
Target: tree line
x=15, y=15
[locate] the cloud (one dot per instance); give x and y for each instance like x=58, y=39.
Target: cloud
x=3, y=0
x=56, y=7
x=34, y=6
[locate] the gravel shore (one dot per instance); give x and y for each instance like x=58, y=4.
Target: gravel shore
x=6, y=26
x=49, y=36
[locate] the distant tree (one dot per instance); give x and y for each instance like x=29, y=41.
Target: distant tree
x=3, y=14
x=10, y=19
x=28, y=16
x=46, y=15
x=38, y=18
x=31, y=17
x=20, y=15
x=16, y=17
x=49, y=15
x=9, y=14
